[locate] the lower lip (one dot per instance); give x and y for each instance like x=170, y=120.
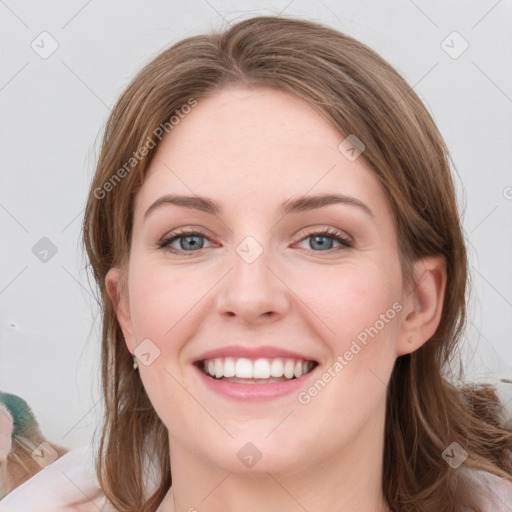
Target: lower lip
x=253, y=392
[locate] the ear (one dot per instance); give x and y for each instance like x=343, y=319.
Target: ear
x=121, y=305
x=423, y=304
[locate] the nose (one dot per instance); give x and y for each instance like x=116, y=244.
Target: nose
x=253, y=292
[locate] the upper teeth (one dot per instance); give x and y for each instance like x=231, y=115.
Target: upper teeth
x=258, y=369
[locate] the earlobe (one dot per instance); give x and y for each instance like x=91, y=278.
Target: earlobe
x=424, y=304
x=121, y=306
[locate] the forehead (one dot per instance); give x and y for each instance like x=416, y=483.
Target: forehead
x=257, y=146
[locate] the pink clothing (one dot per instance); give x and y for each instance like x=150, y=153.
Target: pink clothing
x=69, y=478
x=73, y=477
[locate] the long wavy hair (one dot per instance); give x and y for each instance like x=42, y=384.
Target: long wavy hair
x=359, y=93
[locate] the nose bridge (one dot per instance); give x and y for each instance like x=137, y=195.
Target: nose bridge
x=251, y=289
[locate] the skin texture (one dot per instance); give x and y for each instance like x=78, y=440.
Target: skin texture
x=250, y=150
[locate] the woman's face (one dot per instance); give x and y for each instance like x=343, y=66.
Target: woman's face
x=257, y=289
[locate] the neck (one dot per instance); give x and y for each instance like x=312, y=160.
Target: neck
x=349, y=480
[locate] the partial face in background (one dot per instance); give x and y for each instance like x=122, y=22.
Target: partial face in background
x=304, y=305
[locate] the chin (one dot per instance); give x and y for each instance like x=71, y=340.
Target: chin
x=258, y=455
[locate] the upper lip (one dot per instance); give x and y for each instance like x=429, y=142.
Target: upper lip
x=260, y=352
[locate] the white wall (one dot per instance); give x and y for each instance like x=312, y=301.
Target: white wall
x=52, y=111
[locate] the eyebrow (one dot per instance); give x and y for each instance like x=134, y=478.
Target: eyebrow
x=290, y=206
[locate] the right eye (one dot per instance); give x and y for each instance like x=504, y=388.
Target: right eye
x=189, y=241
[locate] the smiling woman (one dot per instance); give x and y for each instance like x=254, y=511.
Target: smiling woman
x=283, y=282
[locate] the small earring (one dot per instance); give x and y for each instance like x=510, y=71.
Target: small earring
x=135, y=363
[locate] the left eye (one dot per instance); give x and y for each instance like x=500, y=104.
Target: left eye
x=191, y=241
x=323, y=240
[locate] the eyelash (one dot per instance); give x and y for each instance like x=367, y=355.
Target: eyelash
x=345, y=242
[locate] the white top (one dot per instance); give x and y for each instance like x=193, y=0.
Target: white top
x=72, y=476
x=68, y=479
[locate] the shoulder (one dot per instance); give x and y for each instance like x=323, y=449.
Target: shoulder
x=495, y=492
x=70, y=478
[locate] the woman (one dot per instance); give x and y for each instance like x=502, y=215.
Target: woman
x=274, y=232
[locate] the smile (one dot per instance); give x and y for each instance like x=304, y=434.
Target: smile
x=243, y=370
x=253, y=374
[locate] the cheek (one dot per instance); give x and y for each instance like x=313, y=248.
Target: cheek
x=360, y=305
x=159, y=297
x=351, y=300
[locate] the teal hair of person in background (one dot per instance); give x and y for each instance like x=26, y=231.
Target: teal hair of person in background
x=25, y=423
x=25, y=455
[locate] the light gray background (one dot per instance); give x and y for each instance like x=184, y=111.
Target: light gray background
x=53, y=109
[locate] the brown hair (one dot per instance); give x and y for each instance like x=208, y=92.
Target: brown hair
x=358, y=93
